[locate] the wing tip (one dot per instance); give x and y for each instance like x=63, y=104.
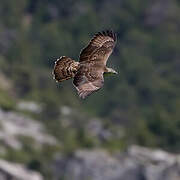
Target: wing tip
x=84, y=94
x=109, y=33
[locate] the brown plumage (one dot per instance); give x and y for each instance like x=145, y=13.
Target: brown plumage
x=65, y=68
x=88, y=72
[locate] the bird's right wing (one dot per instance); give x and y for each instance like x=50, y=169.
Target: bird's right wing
x=87, y=81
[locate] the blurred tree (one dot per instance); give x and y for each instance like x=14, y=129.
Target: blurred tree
x=144, y=98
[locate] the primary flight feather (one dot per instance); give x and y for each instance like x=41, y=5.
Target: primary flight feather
x=88, y=72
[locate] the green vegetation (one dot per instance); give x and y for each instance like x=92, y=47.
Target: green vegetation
x=143, y=99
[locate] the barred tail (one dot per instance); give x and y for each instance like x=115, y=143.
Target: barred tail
x=65, y=68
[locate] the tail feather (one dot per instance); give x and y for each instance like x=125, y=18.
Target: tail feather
x=65, y=68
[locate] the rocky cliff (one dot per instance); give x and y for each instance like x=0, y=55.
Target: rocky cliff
x=14, y=171
x=136, y=164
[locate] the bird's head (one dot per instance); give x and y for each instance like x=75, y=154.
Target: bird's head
x=110, y=71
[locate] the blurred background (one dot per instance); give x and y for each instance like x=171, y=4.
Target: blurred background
x=129, y=130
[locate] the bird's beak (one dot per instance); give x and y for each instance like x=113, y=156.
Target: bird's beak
x=114, y=72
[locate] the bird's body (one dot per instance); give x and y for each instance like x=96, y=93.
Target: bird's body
x=88, y=72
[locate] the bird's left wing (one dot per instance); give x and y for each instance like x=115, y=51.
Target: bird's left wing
x=99, y=48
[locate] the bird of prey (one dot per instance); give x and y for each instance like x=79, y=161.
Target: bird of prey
x=88, y=72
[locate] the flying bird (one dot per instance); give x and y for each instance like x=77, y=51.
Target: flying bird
x=88, y=72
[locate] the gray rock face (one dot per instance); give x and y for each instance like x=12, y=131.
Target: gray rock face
x=13, y=125
x=136, y=164
x=29, y=106
x=16, y=171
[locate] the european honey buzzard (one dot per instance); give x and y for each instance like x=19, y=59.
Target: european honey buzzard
x=88, y=72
